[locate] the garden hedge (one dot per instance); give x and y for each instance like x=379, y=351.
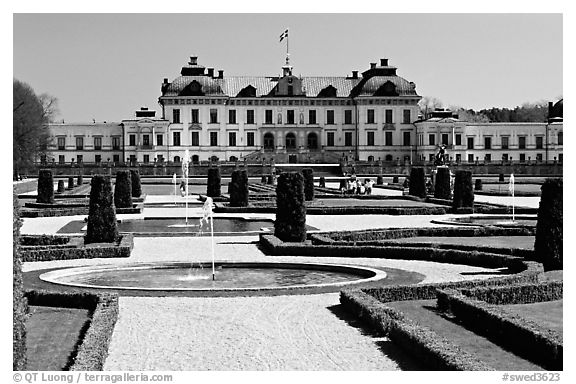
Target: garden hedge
x=136, y=183
x=19, y=306
x=75, y=249
x=123, y=190
x=80, y=180
x=517, y=293
x=308, y=175
x=322, y=182
x=238, y=189
x=549, y=233
x=92, y=349
x=442, y=186
x=290, y=224
x=395, y=180
x=102, y=225
x=213, y=188
x=463, y=192
x=70, y=182
x=270, y=180
x=263, y=179
x=417, y=182
x=524, y=337
x=61, y=187
x=501, y=177
x=379, y=180
x=478, y=185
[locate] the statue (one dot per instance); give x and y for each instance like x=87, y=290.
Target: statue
x=441, y=156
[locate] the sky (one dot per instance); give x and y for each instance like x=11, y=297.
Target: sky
x=105, y=66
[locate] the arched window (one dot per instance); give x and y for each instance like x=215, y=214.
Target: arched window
x=214, y=158
x=312, y=141
x=195, y=158
x=233, y=159
x=290, y=141
x=176, y=159
x=389, y=158
x=370, y=158
x=268, y=142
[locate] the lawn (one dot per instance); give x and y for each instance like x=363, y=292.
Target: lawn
x=51, y=336
x=547, y=314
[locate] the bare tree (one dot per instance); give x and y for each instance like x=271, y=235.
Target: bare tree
x=428, y=104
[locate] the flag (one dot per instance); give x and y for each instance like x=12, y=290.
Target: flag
x=283, y=35
x=511, y=184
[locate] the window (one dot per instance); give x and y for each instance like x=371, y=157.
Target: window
x=406, y=118
x=195, y=116
x=214, y=139
x=290, y=116
x=146, y=158
x=250, y=116
x=312, y=116
x=213, y=116
x=458, y=139
x=370, y=116
x=388, y=138
x=487, y=142
x=116, y=158
x=560, y=138
x=348, y=116
x=195, y=139
x=176, y=116
x=232, y=116
x=522, y=157
x=132, y=140
x=61, y=159
x=330, y=116
x=80, y=159
x=97, y=158
x=176, y=159
x=388, y=116
x=458, y=157
x=159, y=139
x=176, y=138
x=231, y=139
x=79, y=143
x=539, y=142
x=406, y=139
x=348, y=139
x=470, y=158
x=290, y=141
x=470, y=142
x=487, y=158
x=61, y=143
x=505, y=142
x=312, y=141
x=146, y=140
x=539, y=157
x=250, y=139
x=115, y=143
x=560, y=157
x=370, y=158
x=444, y=139
x=268, y=116
x=330, y=139
x=432, y=139
x=504, y=157
x=370, y=138
x=522, y=142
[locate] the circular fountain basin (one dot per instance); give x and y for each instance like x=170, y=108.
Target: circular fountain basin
x=181, y=276
x=520, y=221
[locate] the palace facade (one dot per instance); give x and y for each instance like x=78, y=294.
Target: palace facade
x=368, y=116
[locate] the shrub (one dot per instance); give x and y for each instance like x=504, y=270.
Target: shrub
x=45, y=187
x=501, y=177
x=70, y=182
x=213, y=188
x=102, y=226
x=239, y=189
x=379, y=180
x=80, y=180
x=395, y=180
x=442, y=187
x=463, y=192
x=478, y=185
x=61, y=187
x=406, y=183
x=322, y=182
x=123, y=190
x=136, y=185
x=290, y=224
x=343, y=184
x=263, y=179
x=18, y=301
x=308, y=174
x=549, y=233
x=417, y=182
x=270, y=180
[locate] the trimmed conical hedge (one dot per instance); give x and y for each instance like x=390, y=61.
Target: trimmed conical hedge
x=442, y=187
x=290, y=224
x=322, y=182
x=238, y=189
x=463, y=192
x=80, y=180
x=478, y=185
x=417, y=182
x=71, y=182
x=308, y=174
x=136, y=184
x=18, y=301
x=61, y=187
x=214, y=189
x=45, y=187
x=102, y=226
x=549, y=233
x=123, y=190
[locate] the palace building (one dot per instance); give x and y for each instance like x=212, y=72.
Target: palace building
x=368, y=116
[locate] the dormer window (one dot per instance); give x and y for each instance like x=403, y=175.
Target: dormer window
x=387, y=89
x=329, y=91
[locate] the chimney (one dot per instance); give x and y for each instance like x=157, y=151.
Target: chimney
x=550, y=107
x=372, y=65
x=354, y=74
x=211, y=72
x=193, y=60
x=383, y=62
x=220, y=74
